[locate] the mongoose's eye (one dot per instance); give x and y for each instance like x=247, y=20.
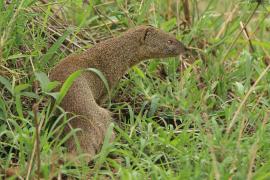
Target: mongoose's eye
x=169, y=42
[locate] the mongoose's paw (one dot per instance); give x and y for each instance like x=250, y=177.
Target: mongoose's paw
x=77, y=158
x=80, y=152
x=84, y=152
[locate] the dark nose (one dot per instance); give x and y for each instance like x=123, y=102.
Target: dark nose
x=186, y=48
x=182, y=47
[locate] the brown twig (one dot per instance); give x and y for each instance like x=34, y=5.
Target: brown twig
x=178, y=16
x=170, y=11
x=255, y=147
x=246, y=34
x=186, y=11
x=37, y=140
x=214, y=159
x=126, y=12
x=233, y=121
x=35, y=110
x=100, y=14
x=59, y=35
x=1, y=54
x=240, y=32
x=36, y=147
x=29, y=166
x=227, y=21
x=53, y=11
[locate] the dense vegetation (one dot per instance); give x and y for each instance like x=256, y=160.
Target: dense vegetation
x=204, y=116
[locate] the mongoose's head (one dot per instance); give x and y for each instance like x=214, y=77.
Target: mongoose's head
x=155, y=43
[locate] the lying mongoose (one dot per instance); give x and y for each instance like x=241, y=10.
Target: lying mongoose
x=113, y=58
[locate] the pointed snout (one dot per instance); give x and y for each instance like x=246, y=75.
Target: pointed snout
x=181, y=48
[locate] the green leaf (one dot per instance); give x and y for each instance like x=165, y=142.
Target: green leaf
x=43, y=79
x=168, y=25
x=54, y=94
x=19, y=106
x=240, y=88
x=51, y=86
x=30, y=94
x=154, y=105
x=67, y=84
x=6, y=84
x=16, y=56
x=104, y=80
x=139, y=72
x=106, y=147
x=53, y=49
x=3, y=110
x=45, y=83
x=20, y=88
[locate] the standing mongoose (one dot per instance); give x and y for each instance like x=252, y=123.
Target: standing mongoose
x=113, y=58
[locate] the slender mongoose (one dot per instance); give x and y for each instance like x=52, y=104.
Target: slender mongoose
x=113, y=58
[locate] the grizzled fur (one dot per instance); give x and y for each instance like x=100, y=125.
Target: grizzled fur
x=113, y=58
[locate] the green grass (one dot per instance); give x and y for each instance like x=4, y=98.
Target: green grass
x=202, y=117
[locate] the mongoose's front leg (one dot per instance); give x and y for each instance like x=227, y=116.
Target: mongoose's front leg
x=93, y=120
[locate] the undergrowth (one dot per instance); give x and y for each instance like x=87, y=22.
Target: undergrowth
x=204, y=116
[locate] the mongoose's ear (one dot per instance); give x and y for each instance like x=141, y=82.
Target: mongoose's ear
x=147, y=32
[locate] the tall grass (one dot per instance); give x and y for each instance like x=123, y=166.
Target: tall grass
x=198, y=117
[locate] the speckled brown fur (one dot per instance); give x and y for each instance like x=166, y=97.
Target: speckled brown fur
x=113, y=58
